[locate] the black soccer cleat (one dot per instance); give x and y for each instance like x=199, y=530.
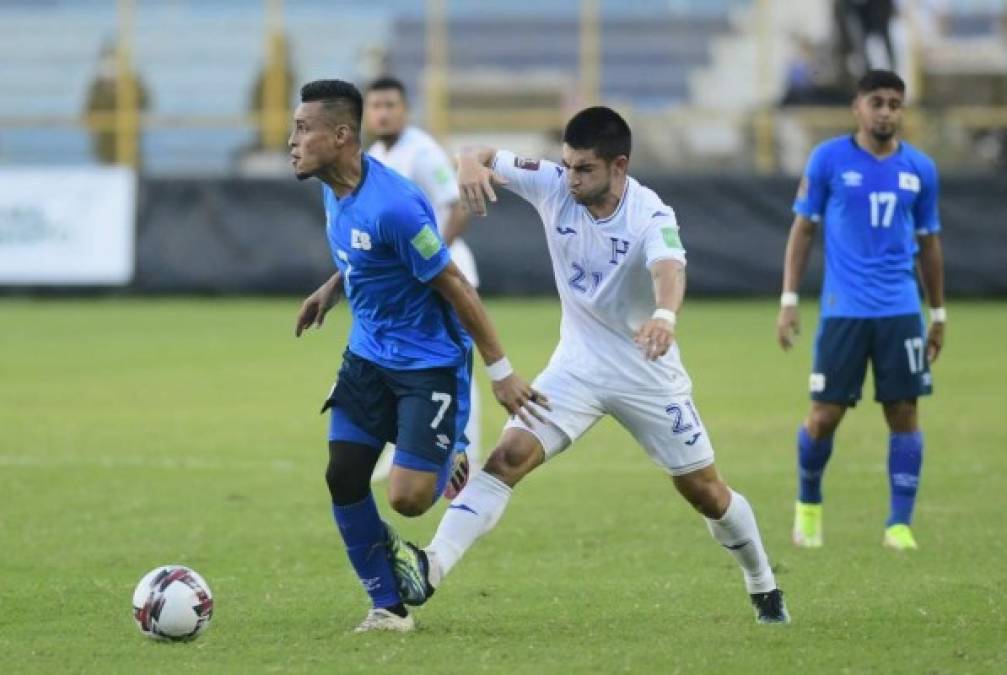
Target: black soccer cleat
x=411, y=569
x=769, y=607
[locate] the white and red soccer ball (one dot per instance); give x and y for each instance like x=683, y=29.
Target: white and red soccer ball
x=172, y=603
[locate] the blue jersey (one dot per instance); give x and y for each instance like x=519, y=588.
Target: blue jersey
x=384, y=241
x=871, y=211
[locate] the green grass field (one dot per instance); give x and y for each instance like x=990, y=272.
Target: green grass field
x=140, y=432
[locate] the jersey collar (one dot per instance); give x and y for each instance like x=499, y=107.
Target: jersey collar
x=364, y=170
x=618, y=208
x=898, y=150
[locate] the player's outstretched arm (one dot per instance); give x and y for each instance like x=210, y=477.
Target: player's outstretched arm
x=656, y=336
x=931, y=264
x=458, y=223
x=513, y=393
x=476, y=178
x=316, y=305
x=802, y=235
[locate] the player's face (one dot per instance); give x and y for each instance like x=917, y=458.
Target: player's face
x=315, y=142
x=384, y=113
x=588, y=176
x=879, y=112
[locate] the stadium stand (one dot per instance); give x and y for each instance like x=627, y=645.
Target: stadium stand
x=659, y=59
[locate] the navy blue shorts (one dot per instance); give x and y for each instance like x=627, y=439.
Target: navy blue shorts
x=423, y=412
x=896, y=347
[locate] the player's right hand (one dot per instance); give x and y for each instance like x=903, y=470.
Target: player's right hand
x=518, y=398
x=316, y=306
x=788, y=326
x=475, y=183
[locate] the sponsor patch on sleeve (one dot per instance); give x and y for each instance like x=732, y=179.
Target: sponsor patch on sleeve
x=426, y=243
x=443, y=175
x=526, y=164
x=671, y=238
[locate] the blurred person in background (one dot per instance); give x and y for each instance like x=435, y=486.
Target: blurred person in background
x=810, y=78
x=416, y=155
x=864, y=35
x=102, y=100
x=875, y=198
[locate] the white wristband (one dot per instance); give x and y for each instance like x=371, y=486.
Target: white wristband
x=666, y=314
x=499, y=370
x=788, y=299
x=938, y=315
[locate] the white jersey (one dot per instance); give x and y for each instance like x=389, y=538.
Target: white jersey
x=602, y=274
x=418, y=157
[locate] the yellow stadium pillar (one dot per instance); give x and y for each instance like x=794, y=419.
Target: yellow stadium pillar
x=435, y=84
x=126, y=94
x=274, y=110
x=590, y=52
x=765, y=132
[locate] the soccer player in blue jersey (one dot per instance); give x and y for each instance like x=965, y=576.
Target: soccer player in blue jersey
x=406, y=371
x=875, y=197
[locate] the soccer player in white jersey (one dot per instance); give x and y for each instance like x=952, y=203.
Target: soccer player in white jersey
x=620, y=270
x=416, y=155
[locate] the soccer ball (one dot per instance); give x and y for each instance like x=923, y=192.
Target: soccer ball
x=172, y=603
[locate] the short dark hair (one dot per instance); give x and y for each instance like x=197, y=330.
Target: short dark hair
x=880, y=79
x=386, y=82
x=600, y=129
x=338, y=97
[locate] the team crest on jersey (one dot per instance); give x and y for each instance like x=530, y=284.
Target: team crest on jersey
x=852, y=178
x=361, y=240
x=526, y=164
x=909, y=181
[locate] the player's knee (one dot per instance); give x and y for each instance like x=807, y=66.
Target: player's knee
x=410, y=504
x=711, y=499
x=706, y=491
x=348, y=474
x=822, y=422
x=901, y=416
x=344, y=486
x=509, y=464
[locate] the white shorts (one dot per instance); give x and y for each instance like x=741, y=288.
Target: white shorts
x=466, y=262
x=666, y=423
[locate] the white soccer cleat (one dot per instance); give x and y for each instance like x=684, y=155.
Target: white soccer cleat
x=382, y=619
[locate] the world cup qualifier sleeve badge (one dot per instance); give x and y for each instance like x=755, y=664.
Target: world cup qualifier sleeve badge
x=526, y=163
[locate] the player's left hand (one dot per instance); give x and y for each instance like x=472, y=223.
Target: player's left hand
x=518, y=398
x=655, y=338
x=475, y=184
x=935, y=341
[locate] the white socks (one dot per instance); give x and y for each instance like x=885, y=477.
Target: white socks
x=480, y=505
x=473, y=513
x=737, y=532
